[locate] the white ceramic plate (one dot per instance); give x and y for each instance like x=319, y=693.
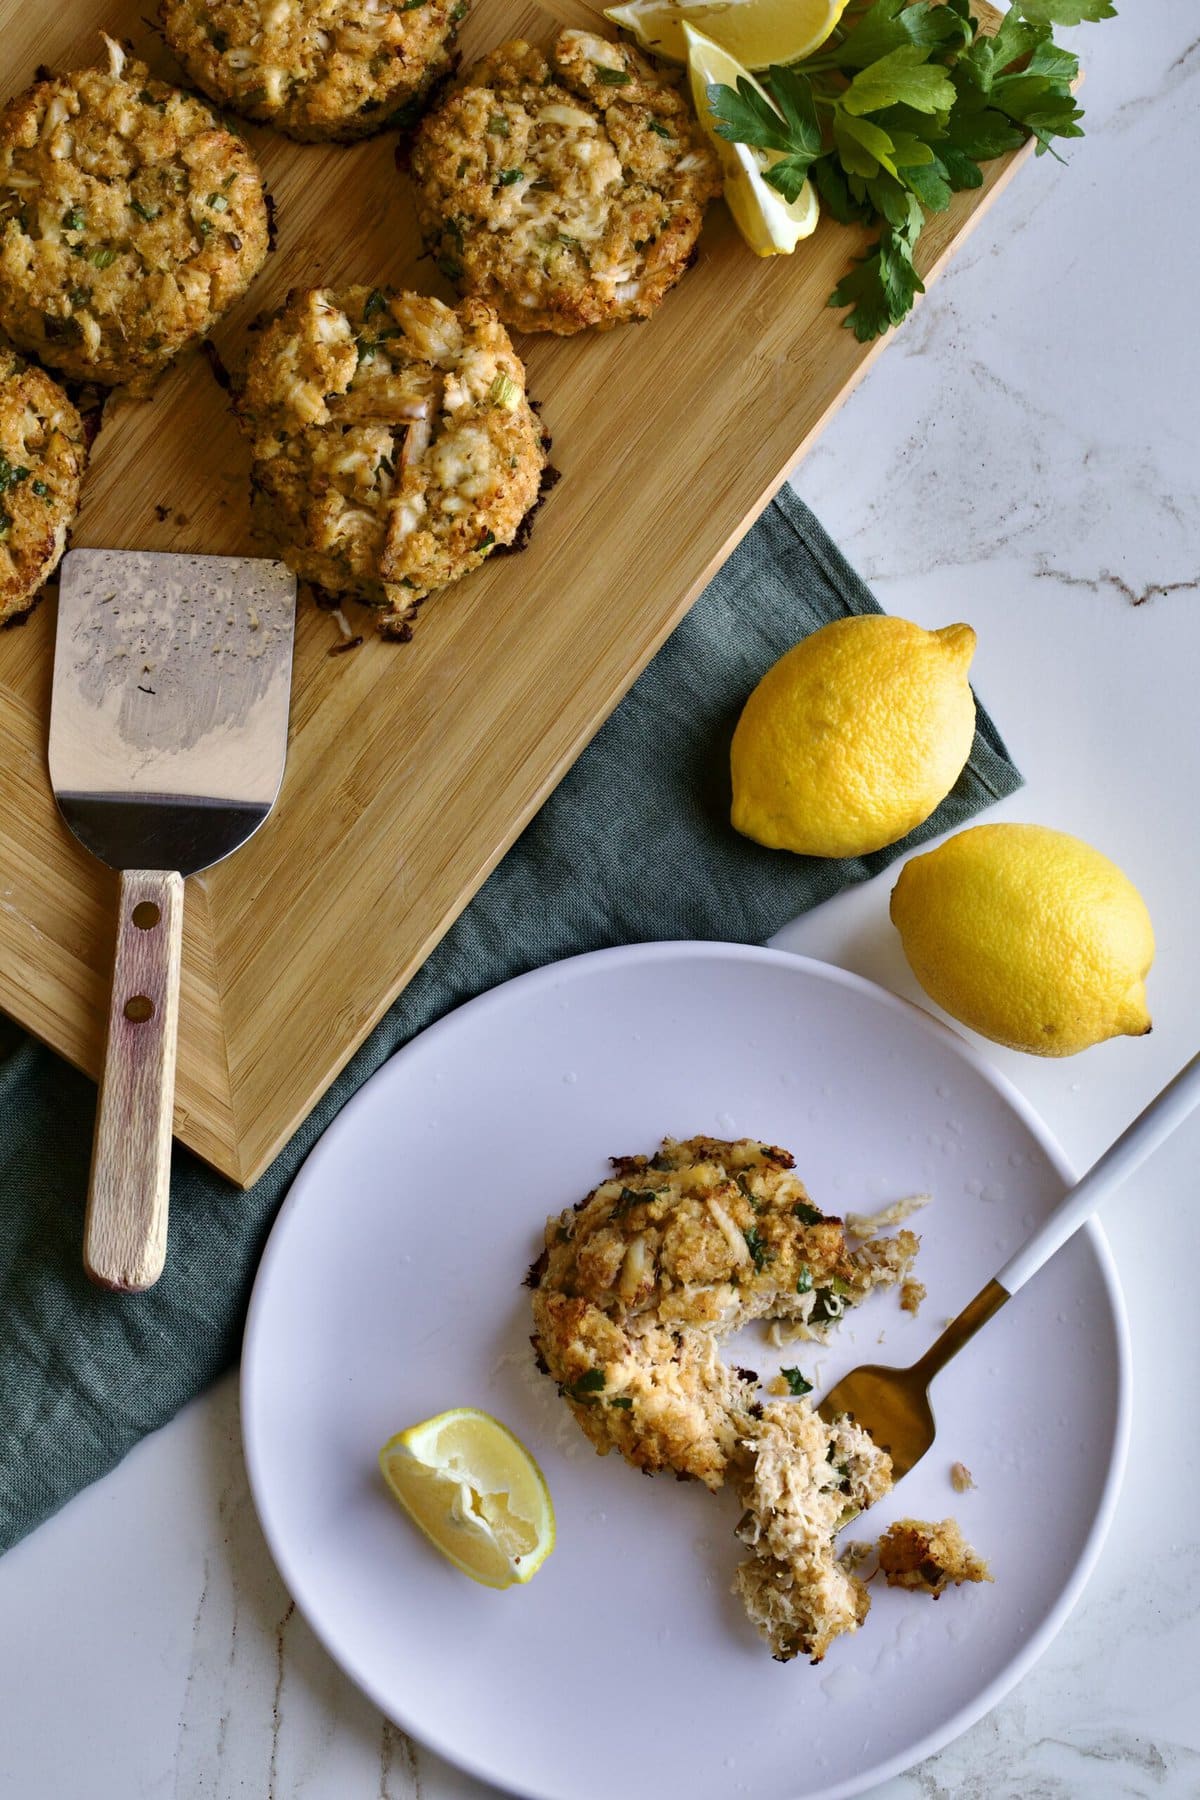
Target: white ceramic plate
x=391, y=1289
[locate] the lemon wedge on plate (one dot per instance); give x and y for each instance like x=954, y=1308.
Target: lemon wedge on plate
x=757, y=32
x=476, y=1493
x=771, y=225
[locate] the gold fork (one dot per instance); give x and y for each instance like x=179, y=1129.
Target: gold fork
x=893, y=1404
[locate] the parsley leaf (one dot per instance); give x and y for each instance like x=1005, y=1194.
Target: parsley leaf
x=880, y=290
x=903, y=77
x=742, y=116
x=757, y=1246
x=1066, y=12
x=890, y=24
x=796, y=1383
x=789, y=130
x=585, y=1387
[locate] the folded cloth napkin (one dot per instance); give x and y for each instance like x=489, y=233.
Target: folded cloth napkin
x=634, y=844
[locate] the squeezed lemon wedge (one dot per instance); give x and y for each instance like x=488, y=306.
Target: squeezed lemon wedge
x=757, y=32
x=771, y=225
x=475, y=1491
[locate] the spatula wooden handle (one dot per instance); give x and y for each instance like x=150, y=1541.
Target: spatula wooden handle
x=125, y=1232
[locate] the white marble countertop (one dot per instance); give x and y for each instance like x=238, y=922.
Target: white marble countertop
x=1024, y=457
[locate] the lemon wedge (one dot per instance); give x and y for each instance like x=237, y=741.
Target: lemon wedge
x=757, y=32
x=771, y=225
x=476, y=1493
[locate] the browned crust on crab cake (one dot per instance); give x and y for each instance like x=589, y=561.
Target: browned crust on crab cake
x=638, y=1283
x=927, y=1557
x=566, y=191
x=394, y=445
x=315, y=69
x=43, y=452
x=131, y=221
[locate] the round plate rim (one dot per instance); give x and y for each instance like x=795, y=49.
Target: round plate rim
x=673, y=950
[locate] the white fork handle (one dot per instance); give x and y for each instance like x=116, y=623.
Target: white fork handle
x=1131, y=1149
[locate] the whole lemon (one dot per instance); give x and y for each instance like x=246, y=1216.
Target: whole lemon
x=1028, y=936
x=853, y=737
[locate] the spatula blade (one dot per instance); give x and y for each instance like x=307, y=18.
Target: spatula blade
x=169, y=710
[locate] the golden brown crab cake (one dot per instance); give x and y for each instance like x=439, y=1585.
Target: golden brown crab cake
x=804, y=1478
x=43, y=451
x=315, y=69
x=394, y=446
x=913, y=1553
x=638, y=1282
x=566, y=192
x=131, y=221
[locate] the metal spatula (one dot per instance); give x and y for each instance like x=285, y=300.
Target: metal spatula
x=893, y=1404
x=168, y=735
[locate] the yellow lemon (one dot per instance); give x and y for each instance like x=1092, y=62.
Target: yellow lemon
x=854, y=736
x=757, y=32
x=771, y=225
x=1028, y=936
x=476, y=1492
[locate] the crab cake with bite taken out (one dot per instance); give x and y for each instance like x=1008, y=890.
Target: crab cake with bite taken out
x=315, y=69
x=43, y=451
x=566, y=192
x=394, y=446
x=637, y=1285
x=131, y=221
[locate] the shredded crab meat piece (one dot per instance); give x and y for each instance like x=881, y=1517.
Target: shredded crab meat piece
x=734, y=1238
x=868, y=1225
x=116, y=56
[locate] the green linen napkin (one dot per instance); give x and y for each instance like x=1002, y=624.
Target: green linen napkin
x=634, y=844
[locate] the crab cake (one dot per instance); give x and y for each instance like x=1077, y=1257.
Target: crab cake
x=804, y=1479
x=42, y=455
x=394, y=447
x=314, y=68
x=637, y=1284
x=567, y=192
x=131, y=220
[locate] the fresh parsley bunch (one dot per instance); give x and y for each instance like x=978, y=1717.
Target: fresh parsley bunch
x=896, y=112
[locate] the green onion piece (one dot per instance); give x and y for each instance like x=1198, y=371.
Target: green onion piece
x=144, y=212
x=658, y=128
x=506, y=177
x=484, y=545
x=102, y=259
x=498, y=125
x=376, y=301
x=796, y=1382
x=807, y=1215
x=620, y=1400
x=505, y=392
x=217, y=202
x=74, y=219
x=41, y=490
x=804, y=1280
x=611, y=77
x=5, y=523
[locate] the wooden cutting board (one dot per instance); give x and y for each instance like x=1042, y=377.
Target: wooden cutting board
x=411, y=767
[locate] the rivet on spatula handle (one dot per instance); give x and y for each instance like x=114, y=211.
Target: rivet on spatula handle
x=125, y=1232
